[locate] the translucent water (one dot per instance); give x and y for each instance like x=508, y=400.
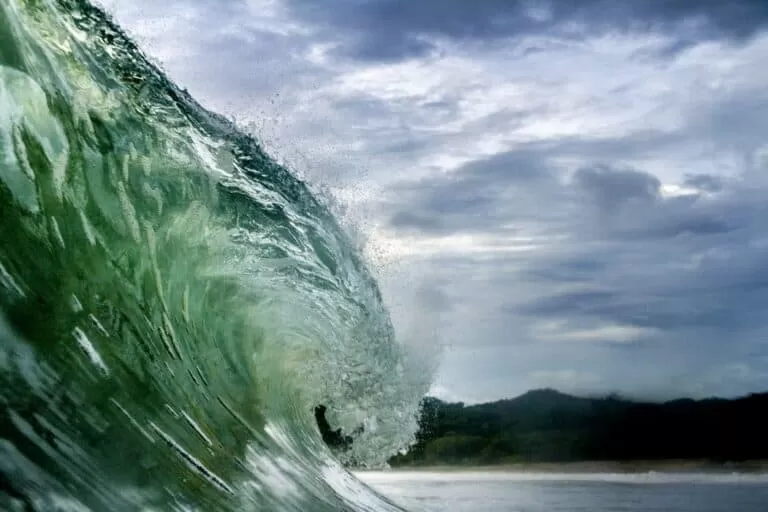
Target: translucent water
x=173, y=303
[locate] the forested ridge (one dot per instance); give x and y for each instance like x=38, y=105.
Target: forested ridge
x=549, y=426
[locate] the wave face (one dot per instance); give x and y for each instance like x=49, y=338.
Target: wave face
x=173, y=303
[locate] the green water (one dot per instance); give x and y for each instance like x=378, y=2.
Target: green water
x=173, y=303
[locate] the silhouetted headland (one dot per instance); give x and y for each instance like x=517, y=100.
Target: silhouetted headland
x=546, y=429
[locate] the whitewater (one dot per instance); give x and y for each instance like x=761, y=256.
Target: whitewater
x=174, y=303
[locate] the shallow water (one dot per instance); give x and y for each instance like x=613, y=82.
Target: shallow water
x=527, y=492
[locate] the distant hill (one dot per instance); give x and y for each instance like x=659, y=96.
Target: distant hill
x=548, y=426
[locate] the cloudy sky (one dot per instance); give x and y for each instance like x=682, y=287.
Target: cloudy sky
x=569, y=193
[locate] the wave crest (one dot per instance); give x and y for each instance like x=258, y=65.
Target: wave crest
x=174, y=303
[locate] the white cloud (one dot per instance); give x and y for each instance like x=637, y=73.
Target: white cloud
x=560, y=331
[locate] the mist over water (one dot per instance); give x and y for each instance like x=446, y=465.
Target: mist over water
x=173, y=302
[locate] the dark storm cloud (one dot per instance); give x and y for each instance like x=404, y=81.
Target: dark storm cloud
x=611, y=188
x=724, y=301
x=396, y=29
x=705, y=182
x=702, y=277
x=663, y=311
x=631, y=257
x=631, y=207
x=526, y=184
x=518, y=186
x=478, y=196
x=529, y=185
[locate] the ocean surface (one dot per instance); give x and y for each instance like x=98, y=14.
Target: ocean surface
x=527, y=492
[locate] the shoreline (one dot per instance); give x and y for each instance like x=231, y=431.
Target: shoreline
x=612, y=467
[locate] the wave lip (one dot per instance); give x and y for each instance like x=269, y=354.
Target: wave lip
x=173, y=303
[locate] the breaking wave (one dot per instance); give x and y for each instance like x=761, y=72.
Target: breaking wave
x=173, y=303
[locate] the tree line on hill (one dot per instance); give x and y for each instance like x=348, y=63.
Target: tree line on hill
x=549, y=426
